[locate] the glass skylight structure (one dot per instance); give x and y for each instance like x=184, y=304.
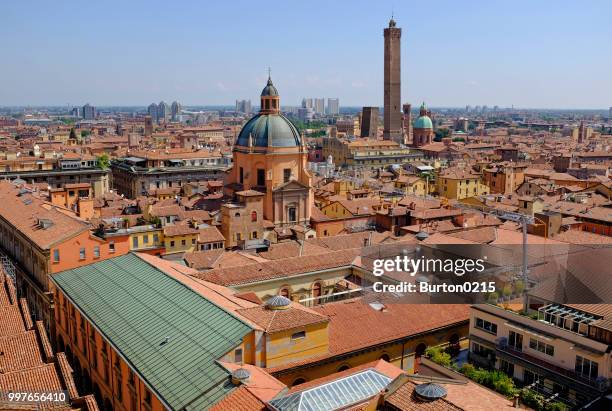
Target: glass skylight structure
x=334, y=395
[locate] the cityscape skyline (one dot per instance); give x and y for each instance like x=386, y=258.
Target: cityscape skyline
x=171, y=70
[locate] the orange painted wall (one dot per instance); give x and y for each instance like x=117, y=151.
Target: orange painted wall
x=69, y=251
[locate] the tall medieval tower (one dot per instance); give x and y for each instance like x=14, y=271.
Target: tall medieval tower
x=393, y=111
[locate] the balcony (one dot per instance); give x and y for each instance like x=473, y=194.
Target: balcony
x=567, y=377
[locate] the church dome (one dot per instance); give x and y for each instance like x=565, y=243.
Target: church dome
x=273, y=130
x=423, y=122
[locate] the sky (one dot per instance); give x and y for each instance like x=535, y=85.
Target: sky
x=526, y=53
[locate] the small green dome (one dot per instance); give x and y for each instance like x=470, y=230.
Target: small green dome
x=423, y=122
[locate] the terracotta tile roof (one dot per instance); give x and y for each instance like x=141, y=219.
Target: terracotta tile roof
x=404, y=398
x=582, y=237
x=434, y=227
x=202, y=260
x=165, y=211
x=439, y=238
x=435, y=213
x=459, y=174
x=179, y=229
x=27, y=362
x=317, y=215
x=474, y=397
x=353, y=240
x=11, y=321
x=350, y=322
x=261, y=384
x=360, y=206
x=271, y=321
x=279, y=268
x=240, y=399
x=292, y=249
x=250, y=296
x=198, y=215
x=209, y=235
x=483, y=235
x=24, y=212
x=419, y=202
x=43, y=378
x=20, y=351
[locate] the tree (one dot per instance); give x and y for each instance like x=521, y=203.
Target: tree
x=507, y=290
x=519, y=287
x=103, y=161
x=85, y=133
x=438, y=356
x=441, y=133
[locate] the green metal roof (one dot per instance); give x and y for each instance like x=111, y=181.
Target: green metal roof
x=137, y=306
x=266, y=130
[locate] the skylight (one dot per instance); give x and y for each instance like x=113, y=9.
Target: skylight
x=335, y=395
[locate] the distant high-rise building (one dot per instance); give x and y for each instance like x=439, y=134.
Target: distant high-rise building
x=307, y=103
x=163, y=111
x=610, y=114
x=333, y=106
x=175, y=110
x=369, y=122
x=243, y=106
x=76, y=112
x=153, y=112
x=392, y=129
x=89, y=112
x=468, y=108
x=319, y=105
x=305, y=114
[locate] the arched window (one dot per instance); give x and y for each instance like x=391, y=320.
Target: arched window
x=316, y=291
x=254, y=216
x=298, y=382
x=453, y=345
x=385, y=357
x=343, y=368
x=420, y=350
x=284, y=292
x=292, y=214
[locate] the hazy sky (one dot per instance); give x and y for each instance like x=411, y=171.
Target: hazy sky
x=530, y=53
